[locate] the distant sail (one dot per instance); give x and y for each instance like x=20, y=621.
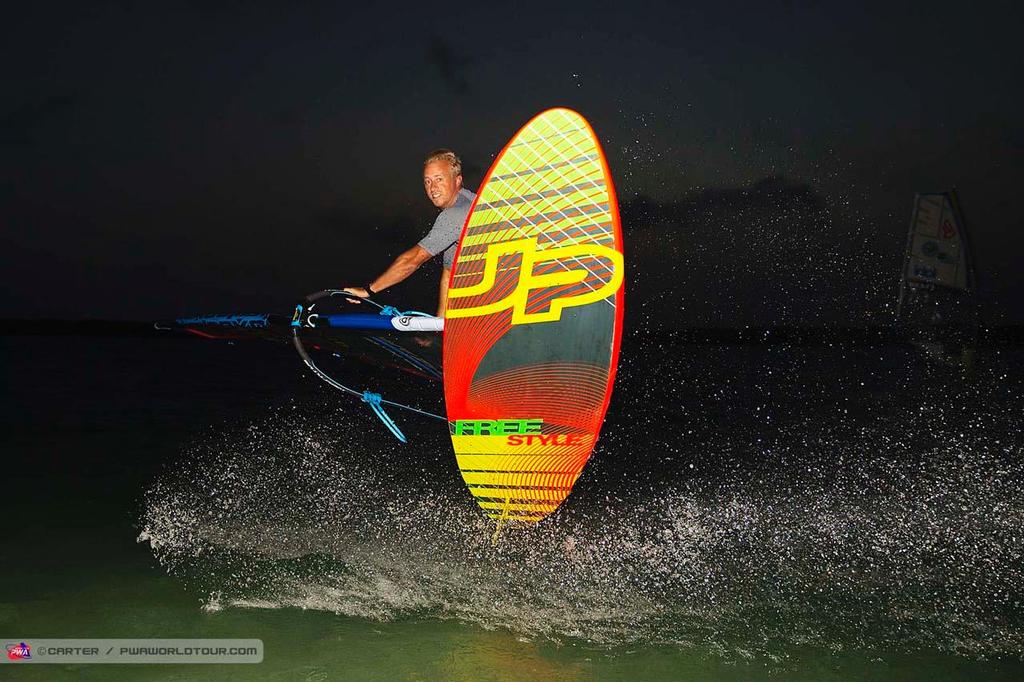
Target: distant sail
x=938, y=254
x=937, y=251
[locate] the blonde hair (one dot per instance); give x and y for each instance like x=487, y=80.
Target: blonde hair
x=445, y=155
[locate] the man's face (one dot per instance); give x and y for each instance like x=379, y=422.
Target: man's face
x=441, y=184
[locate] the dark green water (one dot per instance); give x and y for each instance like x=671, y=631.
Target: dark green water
x=753, y=514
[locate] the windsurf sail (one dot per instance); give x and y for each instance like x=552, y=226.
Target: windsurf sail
x=534, y=319
x=386, y=359
x=938, y=271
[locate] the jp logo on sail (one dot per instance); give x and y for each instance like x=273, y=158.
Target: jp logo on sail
x=574, y=272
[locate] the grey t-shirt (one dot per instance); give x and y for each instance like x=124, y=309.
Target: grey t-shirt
x=447, y=229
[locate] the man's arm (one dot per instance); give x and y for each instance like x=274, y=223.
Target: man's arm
x=403, y=266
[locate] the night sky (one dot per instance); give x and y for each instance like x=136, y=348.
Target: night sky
x=165, y=158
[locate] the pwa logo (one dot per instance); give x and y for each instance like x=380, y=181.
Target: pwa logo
x=19, y=652
x=925, y=273
x=573, y=272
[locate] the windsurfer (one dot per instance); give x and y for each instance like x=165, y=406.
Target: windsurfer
x=442, y=181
